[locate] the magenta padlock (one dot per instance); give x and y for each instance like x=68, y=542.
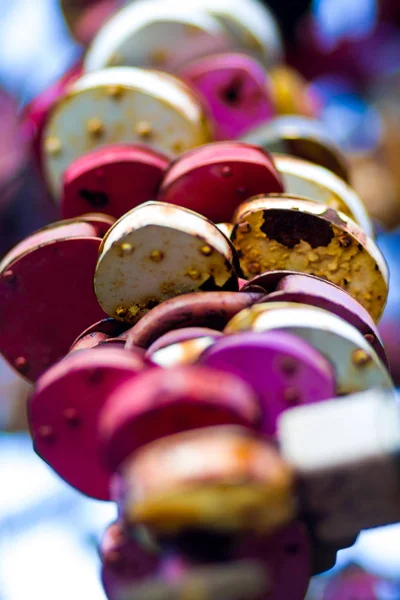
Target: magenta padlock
x=96, y=334
x=125, y=560
x=208, y=309
x=113, y=179
x=283, y=370
x=162, y=402
x=64, y=413
x=215, y=178
x=237, y=90
x=286, y=286
x=46, y=281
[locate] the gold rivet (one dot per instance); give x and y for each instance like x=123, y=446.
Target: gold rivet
x=121, y=312
x=361, y=358
x=177, y=146
x=156, y=256
x=95, y=127
x=194, y=274
x=115, y=91
x=159, y=57
x=144, y=129
x=126, y=248
x=206, y=250
x=53, y=146
x=115, y=59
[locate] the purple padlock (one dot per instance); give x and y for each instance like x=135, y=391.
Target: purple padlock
x=236, y=89
x=284, y=370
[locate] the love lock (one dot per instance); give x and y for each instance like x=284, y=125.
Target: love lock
x=303, y=138
x=157, y=251
x=285, y=286
x=208, y=309
x=214, y=179
x=344, y=453
x=157, y=35
x=236, y=89
x=299, y=235
x=65, y=409
x=182, y=347
x=39, y=278
x=113, y=178
x=308, y=180
x=283, y=370
x=214, y=478
x=357, y=367
x=98, y=333
x=121, y=105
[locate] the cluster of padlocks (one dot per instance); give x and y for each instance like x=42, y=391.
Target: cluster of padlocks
x=201, y=325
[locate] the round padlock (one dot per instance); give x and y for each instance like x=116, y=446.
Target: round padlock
x=308, y=180
x=115, y=179
x=178, y=354
x=124, y=560
x=64, y=413
x=236, y=89
x=299, y=235
x=283, y=369
x=157, y=34
x=209, y=309
x=357, y=366
x=121, y=105
x=214, y=179
x=285, y=286
x=291, y=93
x=97, y=333
x=185, y=334
x=46, y=295
x=303, y=138
x=157, y=251
x=214, y=478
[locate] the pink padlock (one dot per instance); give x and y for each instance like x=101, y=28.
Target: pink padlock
x=47, y=280
x=215, y=178
x=96, y=334
x=237, y=90
x=113, y=179
x=162, y=402
x=64, y=413
x=208, y=309
x=283, y=370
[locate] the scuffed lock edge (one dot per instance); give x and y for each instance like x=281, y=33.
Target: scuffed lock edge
x=140, y=34
x=221, y=477
x=304, y=178
x=122, y=105
x=201, y=257
x=356, y=364
x=301, y=137
x=334, y=247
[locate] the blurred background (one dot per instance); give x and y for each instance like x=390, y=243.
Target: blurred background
x=346, y=53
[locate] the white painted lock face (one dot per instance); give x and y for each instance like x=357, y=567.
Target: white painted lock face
x=357, y=366
x=122, y=105
x=156, y=34
x=158, y=251
x=182, y=353
x=306, y=179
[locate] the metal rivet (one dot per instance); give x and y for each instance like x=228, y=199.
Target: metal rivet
x=115, y=91
x=288, y=365
x=121, y=312
x=291, y=395
x=71, y=415
x=46, y=433
x=371, y=339
x=206, y=250
x=95, y=127
x=156, y=256
x=53, y=146
x=361, y=358
x=226, y=171
x=21, y=364
x=144, y=129
x=159, y=57
x=125, y=249
x=177, y=146
x=9, y=276
x=254, y=268
x=194, y=274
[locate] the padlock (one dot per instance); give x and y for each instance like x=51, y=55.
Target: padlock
x=157, y=251
x=236, y=89
x=345, y=455
x=303, y=138
x=215, y=179
x=65, y=409
x=114, y=178
x=299, y=235
x=283, y=369
x=97, y=333
x=156, y=35
x=163, y=402
x=303, y=178
x=47, y=280
x=214, y=478
x=286, y=286
x=208, y=309
x=182, y=346
x=121, y=105
x=357, y=366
